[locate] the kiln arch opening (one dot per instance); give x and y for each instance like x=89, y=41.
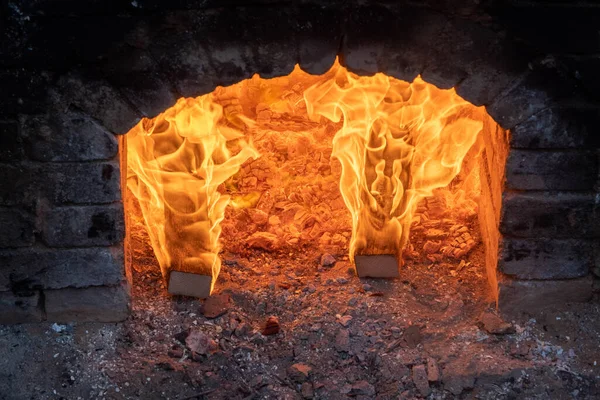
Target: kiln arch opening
x=371, y=173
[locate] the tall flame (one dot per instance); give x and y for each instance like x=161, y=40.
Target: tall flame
x=399, y=141
x=177, y=161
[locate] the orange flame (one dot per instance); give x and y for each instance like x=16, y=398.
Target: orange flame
x=398, y=142
x=177, y=161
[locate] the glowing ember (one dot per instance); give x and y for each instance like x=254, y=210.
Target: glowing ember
x=387, y=143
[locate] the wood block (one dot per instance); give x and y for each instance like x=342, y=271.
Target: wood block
x=377, y=266
x=189, y=284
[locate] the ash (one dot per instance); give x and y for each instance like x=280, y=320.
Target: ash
x=301, y=325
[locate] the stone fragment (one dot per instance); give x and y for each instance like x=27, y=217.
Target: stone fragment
x=258, y=339
x=327, y=260
x=272, y=326
x=199, y=342
x=433, y=371
x=345, y=320
x=216, y=305
x=456, y=383
x=435, y=234
x=419, y=377
x=299, y=372
x=362, y=388
x=376, y=266
x=181, y=336
x=493, y=324
x=412, y=335
x=242, y=329
x=342, y=340
x=175, y=352
x=307, y=390
x=263, y=240
x=259, y=217
x=431, y=247
x=520, y=349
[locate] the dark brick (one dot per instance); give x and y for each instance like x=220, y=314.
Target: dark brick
x=550, y=215
x=404, y=41
x=69, y=136
x=182, y=57
x=11, y=148
x=92, y=304
x=43, y=268
x=546, y=258
x=17, y=227
x=199, y=50
x=550, y=29
x=18, y=184
x=83, y=226
x=99, y=100
x=149, y=93
x=551, y=170
x=585, y=70
x=462, y=49
x=529, y=297
x=203, y=49
x=23, y=90
x=240, y=44
x=374, y=40
x=494, y=69
x=558, y=128
x=319, y=36
x=62, y=42
x=85, y=183
x=542, y=87
x=20, y=308
x=131, y=56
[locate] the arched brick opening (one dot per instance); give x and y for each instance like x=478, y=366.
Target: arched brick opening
x=549, y=219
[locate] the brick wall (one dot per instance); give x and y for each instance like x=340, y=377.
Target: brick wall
x=68, y=90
